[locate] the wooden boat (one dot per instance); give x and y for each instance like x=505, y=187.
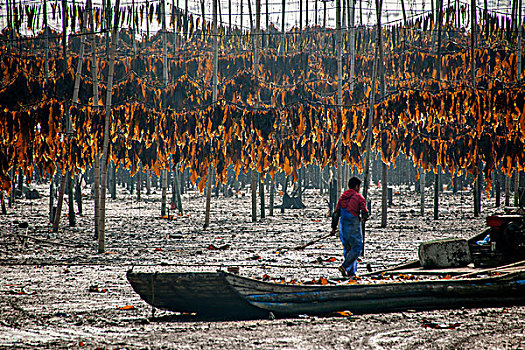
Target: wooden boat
x=229, y=296
x=204, y=293
x=504, y=289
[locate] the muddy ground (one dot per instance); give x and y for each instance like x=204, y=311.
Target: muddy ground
x=68, y=296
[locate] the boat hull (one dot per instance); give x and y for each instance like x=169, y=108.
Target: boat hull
x=387, y=297
x=206, y=293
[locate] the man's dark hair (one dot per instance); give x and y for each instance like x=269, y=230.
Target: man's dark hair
x=353, y=182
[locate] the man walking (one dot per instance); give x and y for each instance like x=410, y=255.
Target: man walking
x=349, y=212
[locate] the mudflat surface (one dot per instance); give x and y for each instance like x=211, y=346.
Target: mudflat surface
x=63, y=296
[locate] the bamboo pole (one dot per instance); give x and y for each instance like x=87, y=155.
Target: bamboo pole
x=215, y=58
x=107, y=126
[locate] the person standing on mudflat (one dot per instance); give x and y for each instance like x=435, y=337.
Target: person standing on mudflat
x=349, y=212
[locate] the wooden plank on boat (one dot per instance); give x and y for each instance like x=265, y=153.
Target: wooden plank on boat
x=409, y=264
x=520, y=264
x=452, y=271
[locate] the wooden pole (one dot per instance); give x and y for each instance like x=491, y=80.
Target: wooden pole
x=176, y=188
x=64, y=27
x=339, y=109
x=404, y=18
x=164, y=195
x=384, y=166
x=257, y=46
x=316, y=16
x=78, y=74
x=2, y=199
x=46, y=42
x=107, y=126
x=165, y=85
x=230, y=13
x=516, y=187
x=473, y=43
x=283, y=38
x=520, y=40
x=324, y=14
x=71, y=202
x=301, y=15
x=133, y=29
x=473, y=33
x=437, y=49
x=436, y=195
x=215, y=59
x=108, y=23
x=306, y=14
x=351, y=20
x=371, y=111
x=51, y=199
x=267, y=42
x=60, y=202
x=422, y=190
x=272, y=194
x=254, y=193
x=147, y=20
x=241, y=10
x=12, y=194
x=250, y=13
x=94, y=79
x=507, y=190
x=384, y=194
